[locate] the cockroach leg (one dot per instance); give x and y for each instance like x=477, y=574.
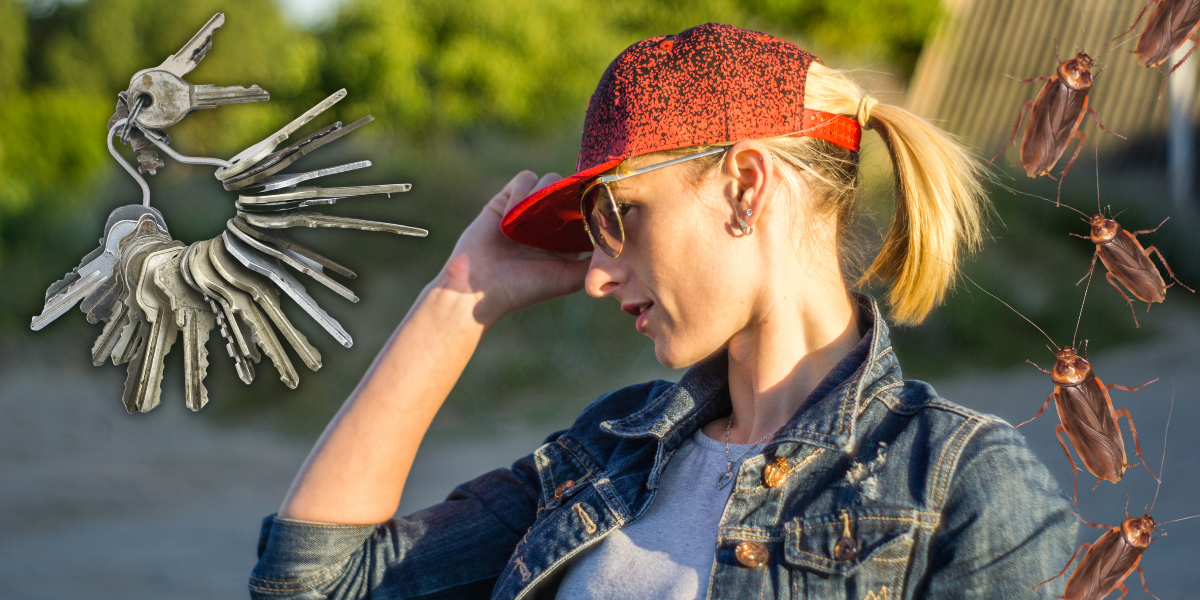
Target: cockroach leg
x=1089, y=524
x=1113, y=282
x=1043, y=371
x=1058, y=431
x=1137, y=233
x=1030, y=80
x=1084, y=548
x=1096, y=118
x=1079, y=135
x=1142, y=574
x=1135, y=23
x=1040, y=410
x=1117, y=386
x=1195, y=42
x=1017, y=129
x=1164, y=262
x=1137, y=444
x=1091, y=268
x=1124, y=590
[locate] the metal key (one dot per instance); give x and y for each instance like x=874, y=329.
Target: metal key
x=104, y=344
x=91, y=276
x=271, y=268
x=135, y=248
x=265, y=295
x=278, y=206
x=243, y=366
x=288, y=180
x=206, y=275
x=194, y=319
x=276, y=240
x=172, y=98
x=181, y=63
x=300, y=218
x=294, y=262
x=163, y=328
x=306, y=193
x=244, y=345
x=251, y=156
x=124, y=213
x=277, y=161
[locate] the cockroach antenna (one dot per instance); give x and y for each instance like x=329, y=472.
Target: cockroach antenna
x=1015, y=191
x=1008, y=305
x=1081, y=304
x=1164, y=456
x=1083, y=24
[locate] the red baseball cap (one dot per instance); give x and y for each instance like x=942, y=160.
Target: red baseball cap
x=711, y=83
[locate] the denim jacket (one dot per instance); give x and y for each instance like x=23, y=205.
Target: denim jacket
x=877, y=489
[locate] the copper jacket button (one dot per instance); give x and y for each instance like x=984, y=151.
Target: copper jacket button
x=751, y=554
x=776, y=472
x=845, y=549
x=562, y=489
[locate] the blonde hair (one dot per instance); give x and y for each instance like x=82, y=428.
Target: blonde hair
x=940, y=200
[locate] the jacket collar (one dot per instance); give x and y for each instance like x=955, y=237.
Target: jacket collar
x=830, y=421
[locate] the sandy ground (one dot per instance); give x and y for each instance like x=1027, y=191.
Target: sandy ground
x=96, y=504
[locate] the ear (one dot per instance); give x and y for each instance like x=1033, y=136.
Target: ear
x=752, y=177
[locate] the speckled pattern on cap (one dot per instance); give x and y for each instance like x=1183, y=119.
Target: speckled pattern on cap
x=711, y=83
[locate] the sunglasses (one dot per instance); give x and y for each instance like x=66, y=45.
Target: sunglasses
x=601, y=214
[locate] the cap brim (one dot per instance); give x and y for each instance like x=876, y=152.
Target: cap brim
x=549, y=218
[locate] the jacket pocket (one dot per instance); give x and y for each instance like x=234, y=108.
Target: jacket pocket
x=563, y=469
x=859, y=554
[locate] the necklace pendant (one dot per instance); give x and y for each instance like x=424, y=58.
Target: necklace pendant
x=724, y=479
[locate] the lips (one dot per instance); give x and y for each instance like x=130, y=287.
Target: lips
x=636, y=308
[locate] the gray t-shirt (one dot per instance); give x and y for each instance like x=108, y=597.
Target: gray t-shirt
x=669, y=552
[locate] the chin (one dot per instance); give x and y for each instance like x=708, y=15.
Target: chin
x=672, y=356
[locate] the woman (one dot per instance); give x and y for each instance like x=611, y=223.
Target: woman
x=716, y=181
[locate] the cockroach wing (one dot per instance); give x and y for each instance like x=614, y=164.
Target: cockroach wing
x=1127, y=261
x=1056, y=115
x=1108, y=562
x=1086, y=414
x=1166, y=30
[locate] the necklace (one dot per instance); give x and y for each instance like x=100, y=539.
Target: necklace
x=727, y=476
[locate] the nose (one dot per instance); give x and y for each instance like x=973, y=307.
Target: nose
x=605, y=275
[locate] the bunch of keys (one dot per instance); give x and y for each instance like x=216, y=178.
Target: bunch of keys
x=147, y=287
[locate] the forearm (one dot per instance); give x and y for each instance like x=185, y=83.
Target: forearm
x=357, y=470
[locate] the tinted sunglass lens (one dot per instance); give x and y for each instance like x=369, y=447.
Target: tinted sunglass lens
x=603, y=222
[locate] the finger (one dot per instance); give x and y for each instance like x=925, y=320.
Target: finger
x=521, y=181
x=546, y=180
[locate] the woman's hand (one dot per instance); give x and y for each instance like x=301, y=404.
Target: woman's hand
x=504, y=275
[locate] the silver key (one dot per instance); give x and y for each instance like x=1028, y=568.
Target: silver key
x=265, y=295
x=172, y=98
x=288, y=180
x=293, y=261
x=243, y=366
x=91, y=276
x=282, y=242
x=103, y=347
x=251, y=156
x=194, y=319
x=163, y=328
x=131, y=336
x=271, y=268
x=206, y=275
x=182, y=62
x=307, y=193
x=300, y=218
x=244, y=346
x=277, y=161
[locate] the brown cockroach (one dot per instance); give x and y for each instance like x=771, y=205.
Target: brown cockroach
x=1085, y=411
x=1128, y=262
x=1115, y=555
x=1170, y=25
x=1056, y=115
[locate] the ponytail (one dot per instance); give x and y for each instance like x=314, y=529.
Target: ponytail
x=940, y=201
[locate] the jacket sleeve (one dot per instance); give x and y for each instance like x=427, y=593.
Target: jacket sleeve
x=1006, y=526
x=455, y=549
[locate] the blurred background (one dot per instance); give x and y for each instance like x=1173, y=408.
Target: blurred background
x=101, y=504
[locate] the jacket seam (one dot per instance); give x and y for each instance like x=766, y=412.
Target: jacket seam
x=953, y=450
x=292, y=586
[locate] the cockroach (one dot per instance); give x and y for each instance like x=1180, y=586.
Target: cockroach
x=1056, y=115
x=1170, y=25
x=1124, y=257
x=1115, y=555
x=1085, y=411
x=1128, y=262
